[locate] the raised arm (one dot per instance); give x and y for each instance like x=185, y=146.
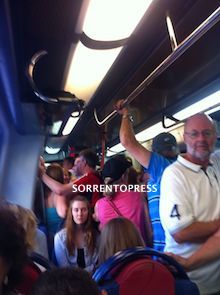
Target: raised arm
x=55, y=186
x=61, y=206
x=128, y=140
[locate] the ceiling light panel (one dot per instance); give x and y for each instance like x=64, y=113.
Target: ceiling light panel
x=109, y=20
x=87, y=69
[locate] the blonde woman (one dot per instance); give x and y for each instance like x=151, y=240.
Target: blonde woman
x=139, y=276
x=35, y=239
x=118, y=234
x=76, y=244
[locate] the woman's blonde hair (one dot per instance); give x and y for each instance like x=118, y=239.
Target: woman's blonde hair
x=27, y=219
x=118, y=234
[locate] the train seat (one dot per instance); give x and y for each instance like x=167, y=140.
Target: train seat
x=131, y=272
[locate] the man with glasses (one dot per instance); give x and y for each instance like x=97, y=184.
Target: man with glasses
x=190, y=200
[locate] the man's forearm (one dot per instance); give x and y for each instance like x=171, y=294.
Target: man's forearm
x=197, y=232
x=127, y=136
x=208, y=252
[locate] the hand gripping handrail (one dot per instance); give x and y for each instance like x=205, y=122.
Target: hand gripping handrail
x=177, y=52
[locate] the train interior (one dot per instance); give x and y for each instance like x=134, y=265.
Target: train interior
x=65, y=64
x=161, y=73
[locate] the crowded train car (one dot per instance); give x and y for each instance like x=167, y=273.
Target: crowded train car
x=109, y=124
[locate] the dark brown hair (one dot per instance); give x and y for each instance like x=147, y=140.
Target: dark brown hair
x=90, y=157
x=55, y=171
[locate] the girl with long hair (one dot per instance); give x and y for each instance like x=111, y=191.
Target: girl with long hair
x=76, y=244
x=118, y=234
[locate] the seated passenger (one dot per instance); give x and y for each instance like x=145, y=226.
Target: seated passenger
x=68, y=281
x=140, y=276
x=118, y=234
x=76, y=244
x=117, y=202
x=35, y=239
x=13, y=251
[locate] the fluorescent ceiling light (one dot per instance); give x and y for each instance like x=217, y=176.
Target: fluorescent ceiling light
x=154, y=130
x=56, y=127
x=206, y=103
x=200, y=106
x=70, y=124
x=115, y=149
x=216, y=109
x=171, y=33
x=209, y=103
x=51, y=150
x=143, y=136
x=88, y=68
x=105, y=20
x=108, y=20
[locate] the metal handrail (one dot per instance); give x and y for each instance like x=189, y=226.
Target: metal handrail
x=61, y=96
x=179, y=50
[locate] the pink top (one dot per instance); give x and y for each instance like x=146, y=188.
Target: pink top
x=131, y=206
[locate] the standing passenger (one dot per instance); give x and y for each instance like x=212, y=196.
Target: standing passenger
x=56, y=206
x=190, y=200
x=164, y=151
x=68, y=165
x=86, y=166
x=123, y=201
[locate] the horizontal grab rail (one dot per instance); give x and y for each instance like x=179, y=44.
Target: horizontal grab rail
x=177, y=52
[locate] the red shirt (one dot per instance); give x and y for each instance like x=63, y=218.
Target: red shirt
x=88, y=185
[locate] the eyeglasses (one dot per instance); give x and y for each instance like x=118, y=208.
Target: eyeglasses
x=195, y=134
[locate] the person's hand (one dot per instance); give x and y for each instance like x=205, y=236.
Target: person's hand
x=120, y=109
x=41, y=167
x=181, y=260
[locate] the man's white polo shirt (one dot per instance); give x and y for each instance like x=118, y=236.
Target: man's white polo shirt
x=189, y=194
